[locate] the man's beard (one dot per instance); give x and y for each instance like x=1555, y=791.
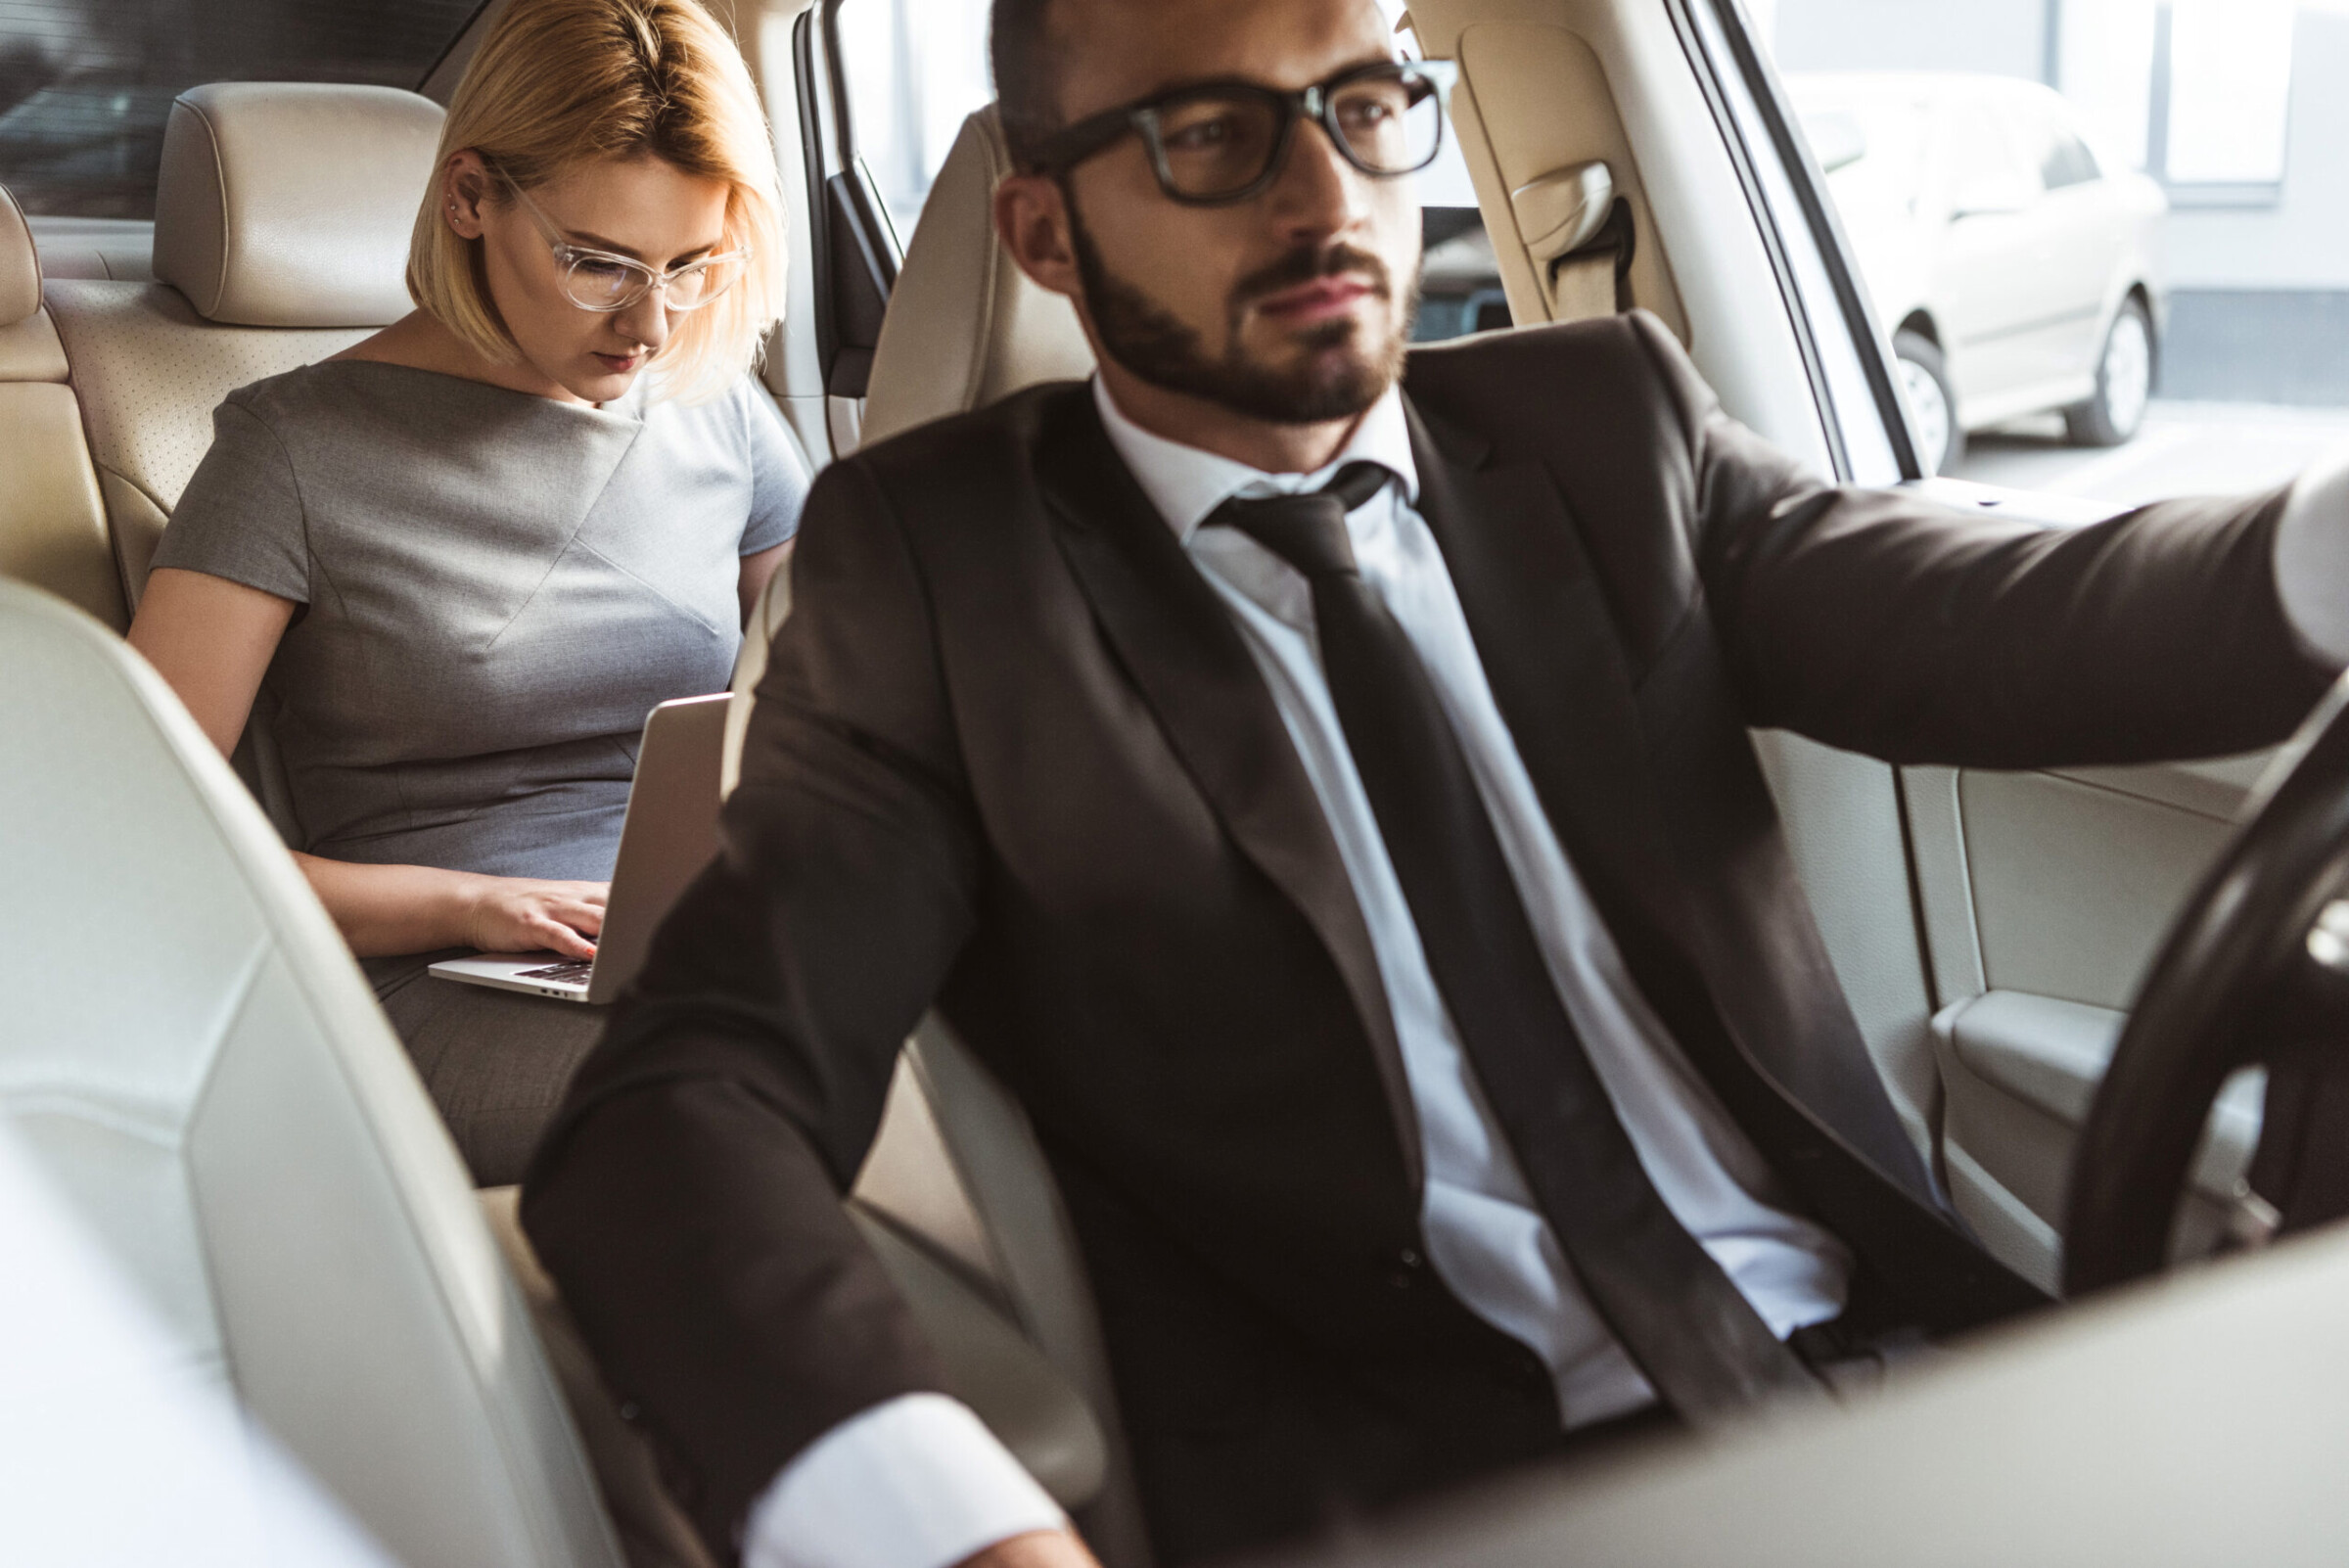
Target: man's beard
x=1150, y=341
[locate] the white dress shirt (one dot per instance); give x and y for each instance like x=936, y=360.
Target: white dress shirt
x=924, y=1480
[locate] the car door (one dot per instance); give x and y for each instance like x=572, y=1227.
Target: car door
x=1989, y=286
x=2080, y=227
x=2038, y=896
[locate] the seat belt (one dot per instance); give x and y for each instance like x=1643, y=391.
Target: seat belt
x=1578, y=234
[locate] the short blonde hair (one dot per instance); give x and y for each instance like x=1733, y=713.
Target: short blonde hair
x=562, y=82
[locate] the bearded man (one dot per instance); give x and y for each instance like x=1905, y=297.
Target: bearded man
x=1315, y=777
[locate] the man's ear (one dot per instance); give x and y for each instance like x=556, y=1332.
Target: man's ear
x=1032, y=218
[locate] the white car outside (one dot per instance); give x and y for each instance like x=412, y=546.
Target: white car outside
x=2018, y=271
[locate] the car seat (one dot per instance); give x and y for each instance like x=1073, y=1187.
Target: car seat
x=51, y=524
x=281, y=237
x=194, y=1059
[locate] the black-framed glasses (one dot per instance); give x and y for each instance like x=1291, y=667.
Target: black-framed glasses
x=1218, y=142
x=604, y=281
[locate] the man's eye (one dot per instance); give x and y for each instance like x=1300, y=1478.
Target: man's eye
x=1202, y=136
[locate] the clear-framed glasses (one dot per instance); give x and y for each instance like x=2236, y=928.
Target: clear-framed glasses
x=604, y=281
x=1220, y=141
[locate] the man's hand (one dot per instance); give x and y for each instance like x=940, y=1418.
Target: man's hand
x=1039, y=1548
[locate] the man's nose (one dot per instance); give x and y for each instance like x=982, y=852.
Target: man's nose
x=1319, y=193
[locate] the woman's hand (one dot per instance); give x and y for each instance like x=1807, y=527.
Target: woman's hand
x=388, y=910
x=517, y=915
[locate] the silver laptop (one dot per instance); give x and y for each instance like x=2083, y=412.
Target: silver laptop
x=669, y=834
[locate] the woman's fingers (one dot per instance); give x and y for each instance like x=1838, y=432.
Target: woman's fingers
x=521, y=915
x=562, y=938
x=586, y=918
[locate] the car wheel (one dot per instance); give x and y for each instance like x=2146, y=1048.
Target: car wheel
x=2124, y=383
x=1932, y=406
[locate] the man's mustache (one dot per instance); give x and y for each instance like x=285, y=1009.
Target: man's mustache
x=1309, y=265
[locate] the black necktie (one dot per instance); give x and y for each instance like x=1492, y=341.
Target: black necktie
x=1698, y=1340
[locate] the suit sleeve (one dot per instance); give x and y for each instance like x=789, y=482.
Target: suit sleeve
x=1885, y=622
x=687, y=1198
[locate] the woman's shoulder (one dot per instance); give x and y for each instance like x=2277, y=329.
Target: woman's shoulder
x=325, y=396
x=742, y=420
x=344, y=399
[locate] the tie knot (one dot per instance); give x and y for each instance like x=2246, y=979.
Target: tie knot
x=1307, y=530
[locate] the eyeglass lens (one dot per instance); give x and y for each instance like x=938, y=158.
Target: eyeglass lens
x=600, y=282
x=1220, y=144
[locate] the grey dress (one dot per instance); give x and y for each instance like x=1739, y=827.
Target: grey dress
x=494, y=589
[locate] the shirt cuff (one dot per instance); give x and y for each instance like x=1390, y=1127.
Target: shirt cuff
x=915, y=1481
x=2312, y=559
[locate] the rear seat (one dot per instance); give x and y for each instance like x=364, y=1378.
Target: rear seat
x=281, y=225
x=281, y=237
x=52, y=531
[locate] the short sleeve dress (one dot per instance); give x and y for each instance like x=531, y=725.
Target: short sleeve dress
x=495, y=589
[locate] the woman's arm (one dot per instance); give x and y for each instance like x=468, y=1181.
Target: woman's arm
x=755, y=570
x=211, y=641
x=388, y=910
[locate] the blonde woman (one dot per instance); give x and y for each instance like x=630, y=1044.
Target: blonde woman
x=465, y=557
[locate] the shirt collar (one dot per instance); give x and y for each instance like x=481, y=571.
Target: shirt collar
x=1186, y=484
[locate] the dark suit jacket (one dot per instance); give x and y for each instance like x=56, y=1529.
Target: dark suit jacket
x=1011, y=756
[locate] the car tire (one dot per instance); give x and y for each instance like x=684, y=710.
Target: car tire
x=2124, y=382
x=1932, y=406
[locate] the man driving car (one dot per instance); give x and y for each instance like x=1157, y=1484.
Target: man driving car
x=1315, y=777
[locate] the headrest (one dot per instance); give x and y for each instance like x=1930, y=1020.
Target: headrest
x=20, y=264
x=290, y=203
x=965, y=327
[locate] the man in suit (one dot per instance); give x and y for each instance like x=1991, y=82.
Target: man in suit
x=1316, y=780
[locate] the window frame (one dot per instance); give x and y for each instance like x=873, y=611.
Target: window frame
x=850, y=231
x=1816, y=211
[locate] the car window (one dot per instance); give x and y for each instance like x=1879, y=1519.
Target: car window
x=1459, y=290
x=86, y=86
x=915, y=70
x=1867, y=432
x=1870, y=147
x=2190, y=283
x=1988, y=172
x=2050, y=145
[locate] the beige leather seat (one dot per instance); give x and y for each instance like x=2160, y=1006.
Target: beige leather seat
x=194, y=1058
x=280, y=236
x=957, y=1163
x=964, y=325
x=52, y=526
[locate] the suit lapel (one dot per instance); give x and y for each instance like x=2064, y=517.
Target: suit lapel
x=1548, y=643
x=1554, y=659
x=1178, y=646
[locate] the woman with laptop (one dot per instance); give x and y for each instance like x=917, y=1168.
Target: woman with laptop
x=460, y=561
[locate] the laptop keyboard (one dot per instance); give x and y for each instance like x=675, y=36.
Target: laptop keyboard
x=575, y=970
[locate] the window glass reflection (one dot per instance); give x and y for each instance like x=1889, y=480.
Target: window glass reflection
x=2121, y=264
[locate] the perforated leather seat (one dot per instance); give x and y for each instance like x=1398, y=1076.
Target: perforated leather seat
x=956, y=1162
x=52, y=528
x=195, y=1059
x=281, y=237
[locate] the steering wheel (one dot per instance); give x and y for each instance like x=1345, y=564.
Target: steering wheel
x=2265, y=935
